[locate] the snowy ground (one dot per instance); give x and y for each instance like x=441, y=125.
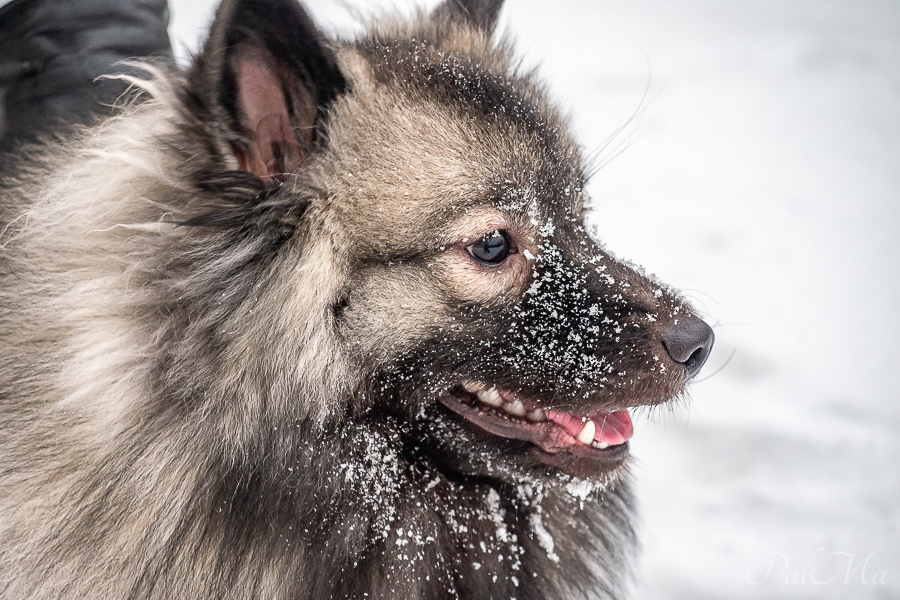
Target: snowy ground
x=760, y=173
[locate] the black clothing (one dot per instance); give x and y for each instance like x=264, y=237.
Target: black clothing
x=52, y=51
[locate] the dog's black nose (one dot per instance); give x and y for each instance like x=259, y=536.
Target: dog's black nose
x=689, y=343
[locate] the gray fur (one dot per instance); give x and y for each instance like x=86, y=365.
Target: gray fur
x=482, y=14
x=219, y=385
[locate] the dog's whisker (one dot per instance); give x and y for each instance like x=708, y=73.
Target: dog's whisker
x=719, y=370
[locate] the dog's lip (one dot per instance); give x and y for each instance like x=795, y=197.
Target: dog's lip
x=601, y=437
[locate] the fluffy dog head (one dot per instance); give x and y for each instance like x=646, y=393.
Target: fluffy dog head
x=422, y=206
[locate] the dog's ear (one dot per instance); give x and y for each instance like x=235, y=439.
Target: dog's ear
x=267, y=75
x=482, y=14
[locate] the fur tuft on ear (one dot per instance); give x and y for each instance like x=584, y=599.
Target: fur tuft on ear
x=482, y=14
x=267, y=73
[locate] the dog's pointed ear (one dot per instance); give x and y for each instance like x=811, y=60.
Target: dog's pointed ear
x=483, y=14
x=267, y=75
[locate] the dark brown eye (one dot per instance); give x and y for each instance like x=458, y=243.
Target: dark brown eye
x=492, y=248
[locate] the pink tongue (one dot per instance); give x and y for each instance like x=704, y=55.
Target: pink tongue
x=613, y=428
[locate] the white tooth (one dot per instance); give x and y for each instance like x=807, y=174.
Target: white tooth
x=536, y=415
x=491, y=397
x=601, y=445
x=472, y=387
x=516, y=408
x=586, y=436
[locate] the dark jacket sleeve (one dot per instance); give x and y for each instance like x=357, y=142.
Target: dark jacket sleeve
x=53, y=51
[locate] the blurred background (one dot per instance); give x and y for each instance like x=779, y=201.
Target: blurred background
x=751, y=154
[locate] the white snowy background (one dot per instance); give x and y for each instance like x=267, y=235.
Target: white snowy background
x=758, y=169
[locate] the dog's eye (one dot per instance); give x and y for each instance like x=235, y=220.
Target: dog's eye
x=492, y=248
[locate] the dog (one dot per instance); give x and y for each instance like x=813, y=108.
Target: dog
x=319, y=318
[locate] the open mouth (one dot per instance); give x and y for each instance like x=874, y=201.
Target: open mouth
x=599, y=439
